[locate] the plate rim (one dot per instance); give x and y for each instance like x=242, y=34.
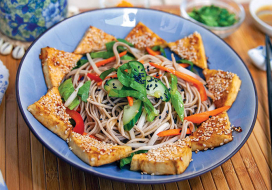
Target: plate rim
x=141, y=181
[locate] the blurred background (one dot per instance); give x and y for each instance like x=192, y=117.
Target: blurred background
x=87, y=4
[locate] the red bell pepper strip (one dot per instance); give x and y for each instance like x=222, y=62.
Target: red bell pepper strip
x=94, y=77
x=79, y=128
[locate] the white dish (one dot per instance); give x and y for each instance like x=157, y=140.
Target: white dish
x=253, y=7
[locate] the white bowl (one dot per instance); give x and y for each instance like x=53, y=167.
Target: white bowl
x=253, y=7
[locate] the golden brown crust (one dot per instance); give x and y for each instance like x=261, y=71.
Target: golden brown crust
x=94, y=152
x=141, y=36
x=171, y=159
x=223, y=85
x=50, y=111
x=56, y=64
x=190, y=48
x=214, y=132
x=93, y=40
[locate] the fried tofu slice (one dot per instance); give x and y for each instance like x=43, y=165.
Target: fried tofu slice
x=141, y=37
x=95, y=152
x=56, y=64
x=190, y=48
x=50, y=111
x=93, y=40
x=223, y=85
x=172, y=158
x=214, y=132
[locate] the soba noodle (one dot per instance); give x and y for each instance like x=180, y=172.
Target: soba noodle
x=103, y=114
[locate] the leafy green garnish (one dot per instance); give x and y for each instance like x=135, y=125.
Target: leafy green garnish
x=176, y=98
x=127, y=57
x=83, y=91
x=74, y=103
x=106, y=73
x=109, y=46
x=213, y=16
x=102, y=54
x=80, y=63
x=66, y=89
x=159, y=48
x=127, y=160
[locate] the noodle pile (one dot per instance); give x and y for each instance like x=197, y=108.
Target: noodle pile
x=102, y=114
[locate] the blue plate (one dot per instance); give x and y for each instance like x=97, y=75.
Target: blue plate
x=30, y=84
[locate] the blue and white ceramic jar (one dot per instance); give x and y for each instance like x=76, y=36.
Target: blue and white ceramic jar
x=25, y=20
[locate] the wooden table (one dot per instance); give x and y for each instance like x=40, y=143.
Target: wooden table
x=27, y=165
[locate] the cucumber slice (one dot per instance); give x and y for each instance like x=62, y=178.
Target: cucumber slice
x=113, y=84
x=155, y=87
x=132, y=114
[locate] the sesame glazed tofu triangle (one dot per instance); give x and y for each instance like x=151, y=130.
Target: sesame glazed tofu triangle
x=214, y=132
x=93, y=40
x=125, y=100
x=190, y=48
x=172, y=158
x=95, y=152
x=141, y=37
x=56, y=65
x=223, y=85
x=50, y=111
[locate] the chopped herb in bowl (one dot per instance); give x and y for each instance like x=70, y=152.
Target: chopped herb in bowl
x=213, y=16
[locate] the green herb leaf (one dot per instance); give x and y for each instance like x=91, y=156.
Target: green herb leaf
x=80, y=63
x=74, y=103
x=156, y=48
x=102, y=54
x=106, y=73
x=127, y=57
x=127, y=160
x=83, y=91
x=162, y=51
x=213, y=16
x=66, y=89
x=176, y=98
x=186, y=61
x=109, y=46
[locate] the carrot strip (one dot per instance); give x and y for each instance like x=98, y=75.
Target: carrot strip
x=111, y=59
x=141, y=61
x=185, y=77
x=200, y=117
x=151, y=52
x=172, y=132
x=184, y=65
x=130, y=100
x=108, y=77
